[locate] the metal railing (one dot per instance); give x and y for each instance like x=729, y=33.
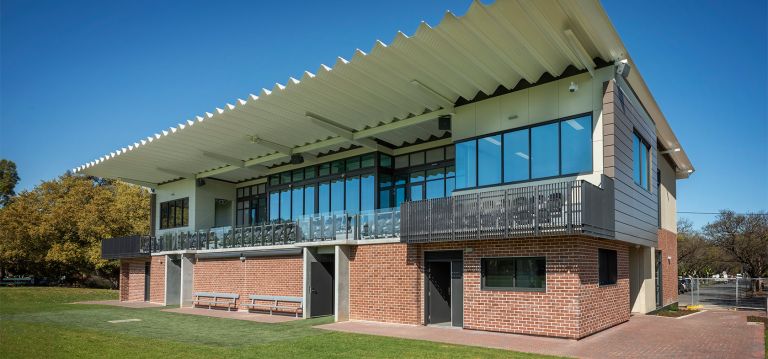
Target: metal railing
x=724, y=293
x=380, y=223
x=126, y=247
x=568, y=207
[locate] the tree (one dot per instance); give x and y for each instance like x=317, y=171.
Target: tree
x=8, y=180
x=744, y=237
x=55, y=229
x=696, y=254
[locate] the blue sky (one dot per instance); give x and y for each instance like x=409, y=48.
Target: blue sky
x=81, y=78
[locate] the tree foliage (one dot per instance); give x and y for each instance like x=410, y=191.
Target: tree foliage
x=55, y=229
x=696, y=254
x=8, y=180
x=743, y=237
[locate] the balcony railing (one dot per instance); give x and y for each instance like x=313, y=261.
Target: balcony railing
x=126, y=247
x=570, y=207
x=380, y=223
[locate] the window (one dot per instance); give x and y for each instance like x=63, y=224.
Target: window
x=576, y=145
x=367, y=192
x=514, y=273
x=174, y=214
x=545, y=158
x=251, y=207
x=489, y=160
x=466, y=164
x=640, y=166
x=517, y=158
x=558, y=148
x=309, y=199
x=608, y=266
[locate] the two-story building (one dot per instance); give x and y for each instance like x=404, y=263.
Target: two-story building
x=506, y=170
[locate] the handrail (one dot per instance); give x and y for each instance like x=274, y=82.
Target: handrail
x=567, y=207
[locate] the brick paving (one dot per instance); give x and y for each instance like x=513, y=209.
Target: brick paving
x=710, y=334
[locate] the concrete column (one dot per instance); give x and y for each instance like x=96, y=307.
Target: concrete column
x=187, y=273
x=642, y=288
x=341, y=283
x=309, y=257
x=172, y=280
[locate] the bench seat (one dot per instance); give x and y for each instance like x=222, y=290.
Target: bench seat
x=257, y=302
x=216, y=299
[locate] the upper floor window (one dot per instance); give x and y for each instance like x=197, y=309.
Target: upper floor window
x=641, y=169
x=251, y=205
x=174, y=213
x=558, y=148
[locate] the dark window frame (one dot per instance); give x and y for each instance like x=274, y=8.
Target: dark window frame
x=607, y=266
x=168, y=211
x=559, y=121
x=637, y=156
x=483, y=270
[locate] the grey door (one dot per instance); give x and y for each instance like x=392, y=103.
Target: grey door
x=321, y=289
x=147, y=266
x=659, y=286
x=457, y=293
x=438, y=292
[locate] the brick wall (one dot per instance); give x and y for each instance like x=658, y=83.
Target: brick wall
x=132, y=279
x=157, y=280
x=385, y=283
x=668, y=248
x=280, y=275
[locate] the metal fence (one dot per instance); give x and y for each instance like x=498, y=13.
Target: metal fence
x=722, y=293
x=366, y=225
x=567, y=207
x=126, y=247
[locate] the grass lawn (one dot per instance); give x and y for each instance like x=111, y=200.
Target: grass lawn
x=40, y=322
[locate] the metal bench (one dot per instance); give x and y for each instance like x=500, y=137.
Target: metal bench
x=275, y=303
x=211, y=299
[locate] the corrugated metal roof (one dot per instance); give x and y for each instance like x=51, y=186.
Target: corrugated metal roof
x=376, y=95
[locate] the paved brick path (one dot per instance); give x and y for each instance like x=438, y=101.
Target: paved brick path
x=710, y=334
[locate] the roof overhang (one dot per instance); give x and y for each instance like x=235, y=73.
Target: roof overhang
x=390, y=96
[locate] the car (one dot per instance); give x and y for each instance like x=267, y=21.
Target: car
x=681, y=286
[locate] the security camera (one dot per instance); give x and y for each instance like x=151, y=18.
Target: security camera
x=573, y=88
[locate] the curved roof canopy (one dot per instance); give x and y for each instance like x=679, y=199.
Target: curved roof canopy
x=393, y=94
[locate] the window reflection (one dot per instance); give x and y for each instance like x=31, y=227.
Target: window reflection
x=576, y=145
x=489, y=160
x=516, y=156
x=466, y=164
x=545, y=159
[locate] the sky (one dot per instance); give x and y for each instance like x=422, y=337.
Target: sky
x=81, y=78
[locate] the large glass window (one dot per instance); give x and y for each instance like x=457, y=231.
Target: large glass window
x=466, y=164
x=324, y=197
x=553, y=149
x=607, y=266
x=309, y=199
x=517, y=158
x=251, y=207
x=274, y=206
x=367, y=193
x=640, y=165
x=174, y=214
x=337, y=195
x=285, y=205
x=353, y=195
x=514, y=273
x=576, y=145
x=489, y=160
x=297, y=208
x=545, y=157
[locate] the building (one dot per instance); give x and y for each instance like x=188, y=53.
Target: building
x=507, y=170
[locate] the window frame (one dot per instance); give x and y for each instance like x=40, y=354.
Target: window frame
x=637, y=156
x=168, y=213
x=607, y=281
x=530, y=144
x=484, y=287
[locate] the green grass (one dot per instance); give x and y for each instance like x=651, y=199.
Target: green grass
x=41, y=322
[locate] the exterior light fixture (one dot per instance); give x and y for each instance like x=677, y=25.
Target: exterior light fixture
x=242, y=257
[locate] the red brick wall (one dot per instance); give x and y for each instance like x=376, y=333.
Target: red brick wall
x=281, y=275
x=385, y=284
x=668, y=248
x=157, y=280
x=132, y=279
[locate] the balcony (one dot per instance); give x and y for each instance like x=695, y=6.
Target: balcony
x=561, y=208
x=126, y=247
x=380, y=223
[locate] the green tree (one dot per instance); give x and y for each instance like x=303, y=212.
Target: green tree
x=744, y=237
x=8, y=180
x=56, y=229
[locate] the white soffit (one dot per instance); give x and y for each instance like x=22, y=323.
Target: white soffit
x=490, y=46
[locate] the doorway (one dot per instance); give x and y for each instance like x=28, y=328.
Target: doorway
x=321, y=285
x=659, y=282
x=444, y=288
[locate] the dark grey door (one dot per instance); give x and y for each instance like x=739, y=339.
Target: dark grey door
x=147, y=266
x=659, y=286
x=457, y=293
x=439, y=292
x=321, y=289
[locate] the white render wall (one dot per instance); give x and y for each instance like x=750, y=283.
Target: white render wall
x=202, y=201
x=175, y=190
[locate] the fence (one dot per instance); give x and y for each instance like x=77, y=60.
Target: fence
x=722, y=293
